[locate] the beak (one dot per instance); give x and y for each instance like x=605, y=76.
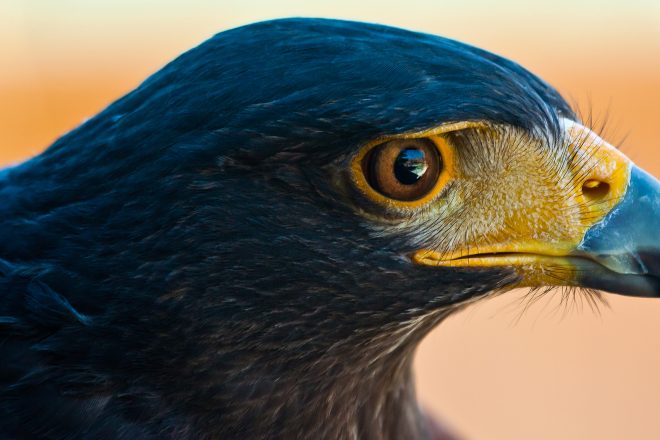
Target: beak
x=621, y=253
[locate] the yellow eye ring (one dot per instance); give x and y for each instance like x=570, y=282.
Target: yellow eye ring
x=445, y=172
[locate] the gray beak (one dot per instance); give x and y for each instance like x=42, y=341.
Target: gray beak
x=621, y=254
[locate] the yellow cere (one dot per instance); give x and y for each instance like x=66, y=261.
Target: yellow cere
x=542, y=220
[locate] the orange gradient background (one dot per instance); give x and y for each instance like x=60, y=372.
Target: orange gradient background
x=493, y=371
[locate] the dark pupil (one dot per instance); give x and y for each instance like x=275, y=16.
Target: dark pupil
x=410, y=166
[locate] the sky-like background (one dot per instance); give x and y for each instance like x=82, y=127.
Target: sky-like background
x=492, y=371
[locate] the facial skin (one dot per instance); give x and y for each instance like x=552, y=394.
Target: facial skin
x=504, y=197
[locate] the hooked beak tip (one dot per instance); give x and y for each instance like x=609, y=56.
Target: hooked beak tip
x=626, y=243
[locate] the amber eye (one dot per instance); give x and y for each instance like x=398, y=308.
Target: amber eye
x=403, y=169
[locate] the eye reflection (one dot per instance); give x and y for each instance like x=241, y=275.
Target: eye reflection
x=410, y=166
x=402, y=169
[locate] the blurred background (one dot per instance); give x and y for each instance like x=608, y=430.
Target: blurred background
x=495, y=370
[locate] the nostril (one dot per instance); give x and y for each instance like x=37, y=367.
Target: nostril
x=595, y=189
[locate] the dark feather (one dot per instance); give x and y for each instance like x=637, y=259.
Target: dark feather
x=179, y=266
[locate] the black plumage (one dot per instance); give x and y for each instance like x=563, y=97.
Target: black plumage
x=187, y=264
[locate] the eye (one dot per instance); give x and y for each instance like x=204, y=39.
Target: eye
x=403, y=169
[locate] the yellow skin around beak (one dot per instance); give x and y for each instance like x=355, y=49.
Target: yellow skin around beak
x=536, y=212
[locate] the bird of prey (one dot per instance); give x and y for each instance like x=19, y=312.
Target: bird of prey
x=252, y=243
